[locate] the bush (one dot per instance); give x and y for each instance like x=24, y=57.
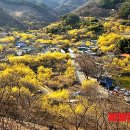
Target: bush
x=126, y=22
x=124, y=45
x=88, y=83
x=70, y=19
x=124, y=11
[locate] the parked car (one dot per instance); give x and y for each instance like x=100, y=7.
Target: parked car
x=127, y=93
x=116, y=89
x=122, y=91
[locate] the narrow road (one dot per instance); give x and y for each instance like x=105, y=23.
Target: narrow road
x=81, y=77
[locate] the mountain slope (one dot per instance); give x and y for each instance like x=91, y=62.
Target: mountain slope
x=7, y=21
x=49, y=3
x=61, y=6
x=27, y=12
x=66, y=6
x=92, y=8
x=104, y=8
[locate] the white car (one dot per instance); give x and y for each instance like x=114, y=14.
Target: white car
x=116, y=89
x=123, y=90
x=127, y=93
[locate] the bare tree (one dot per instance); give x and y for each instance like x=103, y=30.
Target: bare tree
x=88, y=65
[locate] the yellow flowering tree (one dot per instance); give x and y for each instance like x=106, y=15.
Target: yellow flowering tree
x=108, y=42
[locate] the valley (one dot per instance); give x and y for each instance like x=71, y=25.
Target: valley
x=64, y=72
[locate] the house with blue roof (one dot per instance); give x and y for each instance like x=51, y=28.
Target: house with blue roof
x=20, y=44
x=106, y=82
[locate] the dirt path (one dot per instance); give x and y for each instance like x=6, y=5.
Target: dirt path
x=81, y=77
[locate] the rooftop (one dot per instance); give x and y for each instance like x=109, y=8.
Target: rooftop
x=125, y=55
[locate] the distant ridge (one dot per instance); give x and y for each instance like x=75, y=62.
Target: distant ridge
x=8, y=21
x=61, y=6
x=26, y=12
x=104, y=8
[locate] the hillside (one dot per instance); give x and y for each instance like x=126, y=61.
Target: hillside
x=104, y=8
x=49, y=3
x=65, y=76
x=28, y=12
x=61, y=6
x=7, y=21
x=92, y=8
x=69, y=75
x=66, y=6
x=39, y=13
